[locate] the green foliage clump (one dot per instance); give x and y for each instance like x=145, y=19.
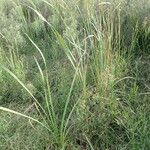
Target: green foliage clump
x=78, y=71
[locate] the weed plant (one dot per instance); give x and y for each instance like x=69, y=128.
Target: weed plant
x=74, y=75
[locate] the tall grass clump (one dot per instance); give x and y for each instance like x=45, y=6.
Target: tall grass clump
x=76, y=63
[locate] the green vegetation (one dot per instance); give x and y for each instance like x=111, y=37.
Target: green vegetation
x=74, y=75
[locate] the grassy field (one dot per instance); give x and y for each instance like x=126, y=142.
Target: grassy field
x=74, y=75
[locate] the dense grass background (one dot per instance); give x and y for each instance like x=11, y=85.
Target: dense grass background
x=74, y=75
